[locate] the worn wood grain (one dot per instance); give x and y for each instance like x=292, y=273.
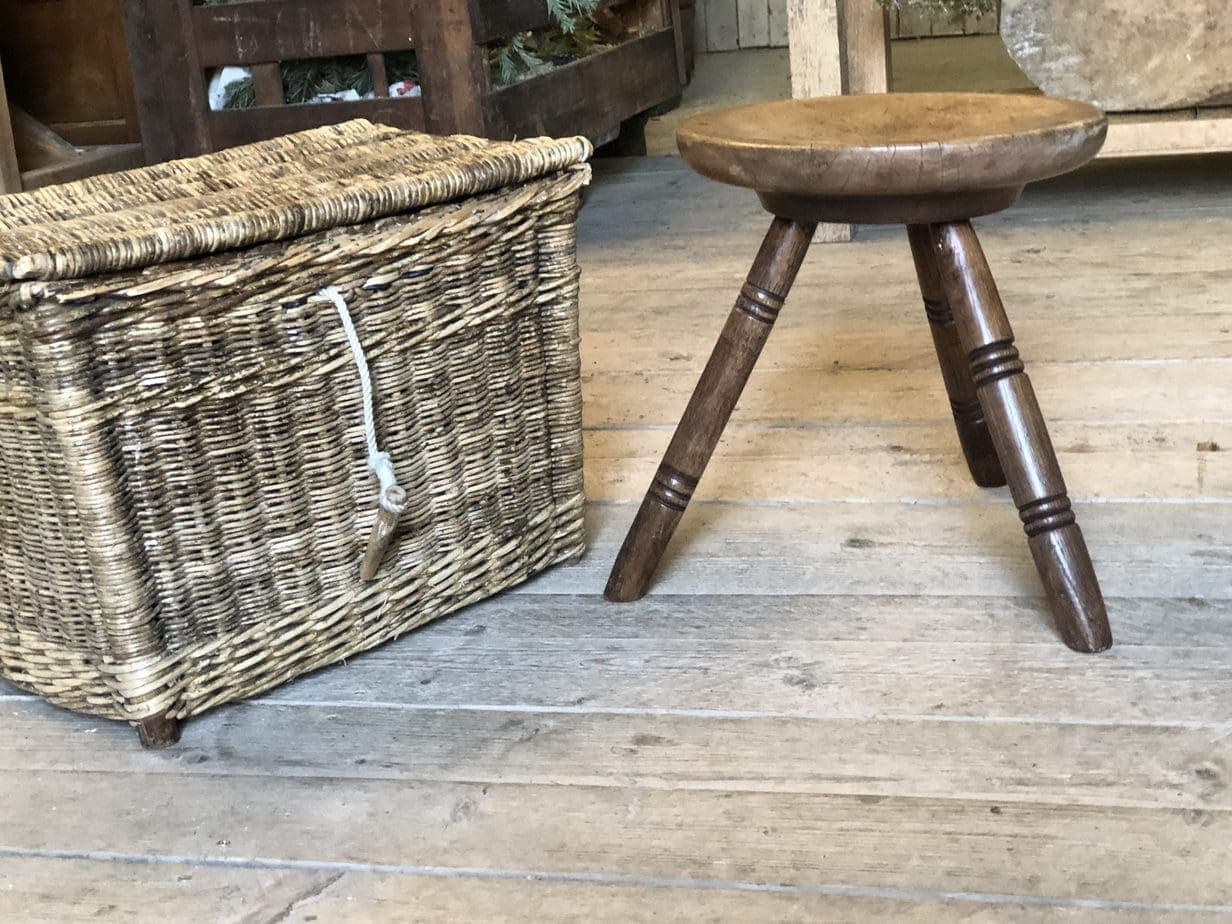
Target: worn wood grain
x=45, y=890
x=722, y=25
x=1126, y=392
x=917, y=463
x=878, y=548
x=586, y=97
x=1089, y=764
x=165, y=68
x=69, y=68
x=824, y=657
x=10, y=171
x=57, y=891
x=866, y=47
x=1137, y=855
x=753, y=23
x=287, y=30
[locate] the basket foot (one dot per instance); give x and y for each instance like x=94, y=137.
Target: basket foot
x=158, y=731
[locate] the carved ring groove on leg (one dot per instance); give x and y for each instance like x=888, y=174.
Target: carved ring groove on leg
x=938, y=311
x=671, y=488
x=995, y=361
x=1046, y=514
x=759, y=304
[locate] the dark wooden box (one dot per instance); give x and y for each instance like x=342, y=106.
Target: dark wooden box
x=173, y=44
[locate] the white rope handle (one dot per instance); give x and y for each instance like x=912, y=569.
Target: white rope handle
x=392, y=498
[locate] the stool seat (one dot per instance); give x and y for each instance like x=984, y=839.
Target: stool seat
x=846, y=156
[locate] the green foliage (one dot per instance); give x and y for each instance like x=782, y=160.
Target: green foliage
x=240, y=95
x=514, y=61
x=572, y=35
x=567, y=13
x=302, y=80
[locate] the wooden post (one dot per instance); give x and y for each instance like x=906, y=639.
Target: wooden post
x=165, y=68
x=836, y=46
x=865, y=46
x=453, y=69
x=10, y=172
x=677, y=23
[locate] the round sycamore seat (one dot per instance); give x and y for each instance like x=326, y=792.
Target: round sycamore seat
x=892, y=158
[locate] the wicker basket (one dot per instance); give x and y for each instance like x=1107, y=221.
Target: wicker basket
x=185, y=494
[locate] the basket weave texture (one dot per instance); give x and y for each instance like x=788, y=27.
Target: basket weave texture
x=184, y=490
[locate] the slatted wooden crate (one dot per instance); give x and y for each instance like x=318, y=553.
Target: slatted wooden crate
x=173, y=44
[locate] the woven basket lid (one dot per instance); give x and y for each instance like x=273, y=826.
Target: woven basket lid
x=294, y=185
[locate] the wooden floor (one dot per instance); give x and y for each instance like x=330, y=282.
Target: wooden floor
x=844, y=700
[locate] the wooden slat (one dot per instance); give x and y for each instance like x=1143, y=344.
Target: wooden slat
x=1127, y=855
x=1197, y=132
x=166, y=67
x=285, y=30
x=722, y=25
x=830, y=658
x=380, y=77
x=701, y=12
x=866, y=47
x=753, y=23
x=42, y=890
x=241, y=126
x=90, y=162
x=1115, y=393
x=778, y=23
x=683, y=55
x=1070, y=765
x=10, y=172
x=816, y=59
x=96, y=131
x=36, y=144
x=1147, y=463
x=891, y=548
x=454, y=72
x=267, y=84
x=982, y=24
x=590, y=96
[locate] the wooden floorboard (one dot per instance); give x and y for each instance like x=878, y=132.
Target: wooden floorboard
x=844, y=698
x=42, y=890
x=1092, y=764
x=1073, y=852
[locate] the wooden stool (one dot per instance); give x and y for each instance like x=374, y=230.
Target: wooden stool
x=929, y=161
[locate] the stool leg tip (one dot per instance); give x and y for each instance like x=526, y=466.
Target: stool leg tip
x=1088, y=637
x=618, y=591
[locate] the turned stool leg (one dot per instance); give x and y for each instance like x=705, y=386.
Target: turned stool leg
x=973, y=433
x=1021, y=439
x=713, y=399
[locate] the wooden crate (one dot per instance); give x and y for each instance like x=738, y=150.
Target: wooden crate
x=64, y=82
x=173, y=44
x=66, y=66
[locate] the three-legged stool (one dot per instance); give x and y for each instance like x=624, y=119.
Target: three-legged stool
x=930, y=161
